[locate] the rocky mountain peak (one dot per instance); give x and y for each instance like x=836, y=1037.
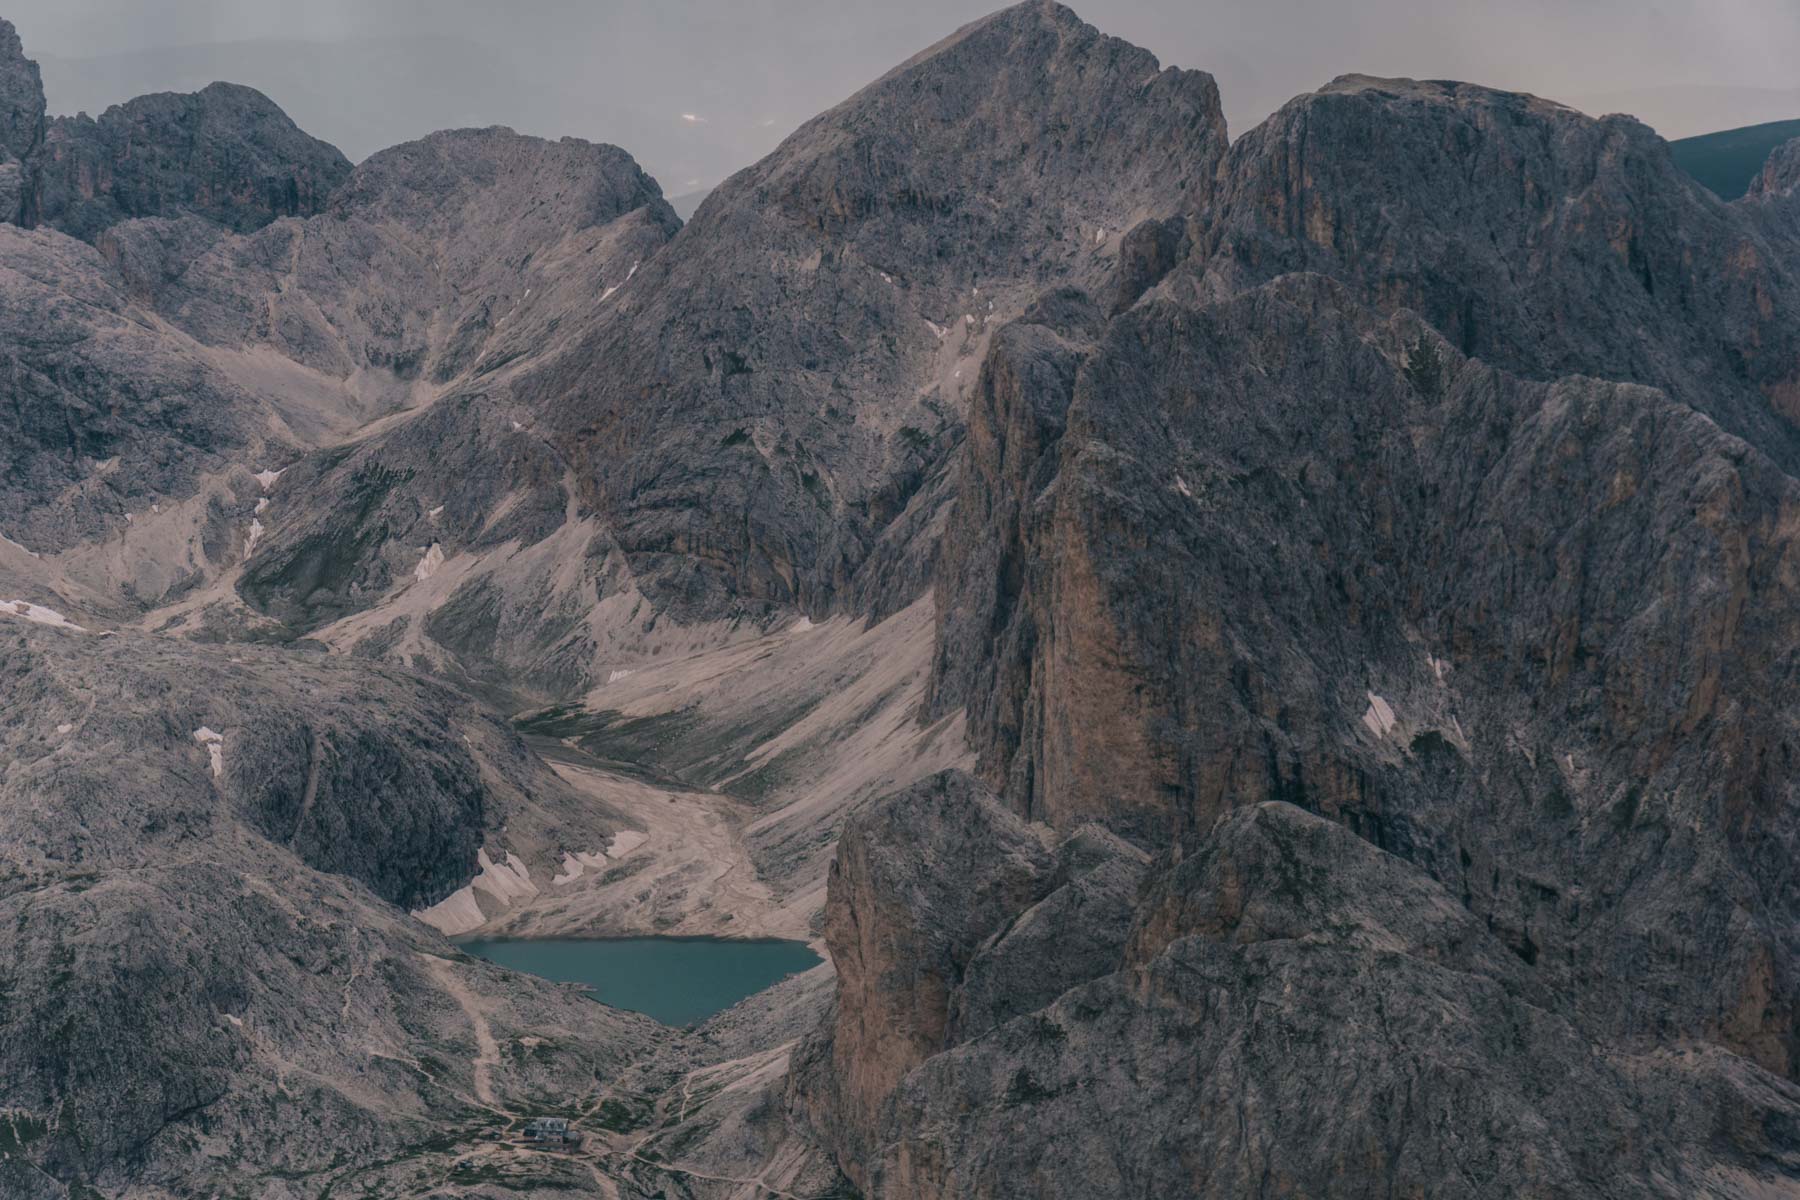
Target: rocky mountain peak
x=1285, y=649
x=1780, y=176
x=1528, y=234
x=906, y=222
x=1001, y=110
x=21, y=96
x=226, y=153
x=492, y=176
x=21, y=123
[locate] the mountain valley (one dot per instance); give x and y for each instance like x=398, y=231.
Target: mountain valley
x=1262, y=662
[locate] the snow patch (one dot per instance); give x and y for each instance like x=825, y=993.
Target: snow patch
x=460, y=911
x=434, y=558
x=456, y=913
x=517, y=427
x=238, y=1021
x=1437, y=666
x=254, y=536
x=435, y=513
x=509, y=878
x=571, y=871
x=64, y=728
x=268, y=478
x=37, y=613
x=609, y=291
x=1380, y=716
x=618, y=675
x=937, y=329
x=261, y=503
x=1099, y=236
x=576, y=863
x=1182, y=487
x=215, y=748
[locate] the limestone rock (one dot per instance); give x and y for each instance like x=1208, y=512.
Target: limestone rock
x=225, y=153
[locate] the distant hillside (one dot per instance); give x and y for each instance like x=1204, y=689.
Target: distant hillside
x=1727, y=161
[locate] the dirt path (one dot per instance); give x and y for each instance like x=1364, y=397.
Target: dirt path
x=487, y=1050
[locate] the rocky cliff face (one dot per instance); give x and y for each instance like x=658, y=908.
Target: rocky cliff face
x=778, y=388
x=1459, y=736
x=176, y=930
x=162, y=368
x=436, y=257
x=105, y=414
x=1360, y=561
x=757, y=417
x=1290, y=1011
x=21, y=122
x=1600, y=257
x=226, y=154
x=1457, y=518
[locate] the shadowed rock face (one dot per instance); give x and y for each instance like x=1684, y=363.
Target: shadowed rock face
x=919, y=882
x=759, y=414
x=1532, y=237
x=104, y=412
x=1298, y=1012
x=1434, y=478
x=1780, y=176
x=21, y=122
x=198, y=844
x=226, y=154
x=174, y=350
x=777, y=388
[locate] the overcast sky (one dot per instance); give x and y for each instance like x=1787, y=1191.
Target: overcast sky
x=697, y=88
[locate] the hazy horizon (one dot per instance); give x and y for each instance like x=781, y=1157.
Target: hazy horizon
x=698, y=90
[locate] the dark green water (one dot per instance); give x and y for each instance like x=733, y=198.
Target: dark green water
x=675, y=980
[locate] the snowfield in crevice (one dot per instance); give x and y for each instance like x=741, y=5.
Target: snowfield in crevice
x=37, y=614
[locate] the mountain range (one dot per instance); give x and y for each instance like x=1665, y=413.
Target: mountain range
x=1730, y=160
x=1265, y=663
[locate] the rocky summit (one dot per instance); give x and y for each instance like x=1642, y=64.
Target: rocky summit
x=1263, y=663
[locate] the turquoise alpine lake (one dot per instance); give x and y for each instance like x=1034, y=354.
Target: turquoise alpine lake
x=675, y=980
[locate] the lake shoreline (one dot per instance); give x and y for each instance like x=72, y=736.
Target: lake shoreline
x=677, y=981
